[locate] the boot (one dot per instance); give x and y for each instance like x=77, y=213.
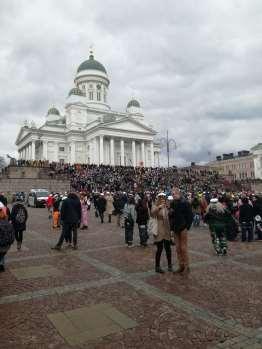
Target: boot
x=179, y=270
x=159, y=270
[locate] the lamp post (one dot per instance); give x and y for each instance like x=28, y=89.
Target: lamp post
x=168, y=144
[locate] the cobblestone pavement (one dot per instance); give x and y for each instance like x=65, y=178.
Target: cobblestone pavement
x=107, y=296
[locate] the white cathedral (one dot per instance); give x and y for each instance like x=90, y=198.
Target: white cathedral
x=90, y=132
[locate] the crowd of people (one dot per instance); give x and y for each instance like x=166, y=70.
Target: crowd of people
x=163, y=202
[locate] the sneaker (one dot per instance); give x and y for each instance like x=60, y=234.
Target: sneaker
x=130, y=245
x=179, y=270
x=159, y=270
x=58, y=248
x=69, y=246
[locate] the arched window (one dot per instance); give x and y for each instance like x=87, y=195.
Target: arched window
x=91, y=96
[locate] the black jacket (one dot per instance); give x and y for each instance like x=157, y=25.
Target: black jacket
x=181, y=216
x=142, y=215
x=246, y=213
x=101, y=204
x=19, y=217
x=71, y=210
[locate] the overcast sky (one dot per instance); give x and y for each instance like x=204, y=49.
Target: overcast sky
x=195, y=66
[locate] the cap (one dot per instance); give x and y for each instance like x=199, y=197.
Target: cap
x=161, y=194
x=214, y=200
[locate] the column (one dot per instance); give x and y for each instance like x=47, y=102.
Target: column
x=73, y=153
x=112, y=151
x=134, y=153
x=152, y=154
x=95, y=150
x=44, y=150
x=33, y=150
x=101, y=149
x=143, y=153
x=56, y=151
x=122, y=152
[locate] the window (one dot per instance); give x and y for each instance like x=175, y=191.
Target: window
x=90, y=86
x=98, y=96
x=91, y=95
x=61, y=148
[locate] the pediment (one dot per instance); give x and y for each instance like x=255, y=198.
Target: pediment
x=24, y=131
x=131, y=125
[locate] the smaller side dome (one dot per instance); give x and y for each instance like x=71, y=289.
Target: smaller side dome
x=76, y=92
x=53, y=111
x=133, y=103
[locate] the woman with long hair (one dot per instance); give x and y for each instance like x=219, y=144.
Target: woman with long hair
x=163, y=237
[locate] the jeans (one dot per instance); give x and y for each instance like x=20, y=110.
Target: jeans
x=66, y=234
x=181, y=249
x=166, y=244
x=2, y=258
x=247, y=231
x=129, y=233
x=143, y=234
x=19, y=236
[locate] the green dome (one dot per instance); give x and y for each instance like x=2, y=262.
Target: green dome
x=91, y=64
x=133, y=103
x=76, y=91
x=53, y=111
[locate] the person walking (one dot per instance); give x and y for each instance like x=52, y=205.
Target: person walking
x=129, y=214
x=70, y=218
x=182, y=218
x=246, y=220
x=163, y=235
x=6, y=235
x=109, y=205
x=216, y=217
x=18, y=219
x=142, y=211
x=101, y=206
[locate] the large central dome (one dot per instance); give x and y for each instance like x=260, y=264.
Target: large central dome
x=91, y=64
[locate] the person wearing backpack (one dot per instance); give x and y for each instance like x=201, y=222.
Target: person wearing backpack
x=18, y=219
x=6, y=235
x=129, y=214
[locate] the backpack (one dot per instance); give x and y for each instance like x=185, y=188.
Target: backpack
x=20, y=216
x=7, y=235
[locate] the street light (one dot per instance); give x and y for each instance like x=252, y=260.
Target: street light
x=168, y=144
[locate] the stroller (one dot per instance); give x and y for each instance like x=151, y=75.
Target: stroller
x=258, y=227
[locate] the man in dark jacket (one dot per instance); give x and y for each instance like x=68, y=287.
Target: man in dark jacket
x=18, y=218
x=182, y=217
x=70, y=219
x=246, y=220
x=101, y=206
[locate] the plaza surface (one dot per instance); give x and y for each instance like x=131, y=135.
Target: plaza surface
x=104, y=295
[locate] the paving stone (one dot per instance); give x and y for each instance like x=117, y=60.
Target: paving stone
x=90, y=323
x=35, y=272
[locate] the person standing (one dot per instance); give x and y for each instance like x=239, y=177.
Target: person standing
x=70, y=218
x=129, y=214
x=85, y=206
x=246, y=220
x=163, y=237
x=109, y=205
x=6, y=235
x=182, y=218
x=18, y=219
x=142, y=211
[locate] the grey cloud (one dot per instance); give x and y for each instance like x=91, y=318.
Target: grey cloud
x=194, y=66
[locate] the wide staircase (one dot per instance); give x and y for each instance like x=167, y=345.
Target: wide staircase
x=14, y=179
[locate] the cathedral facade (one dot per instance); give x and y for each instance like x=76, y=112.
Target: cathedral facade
x=89, y=131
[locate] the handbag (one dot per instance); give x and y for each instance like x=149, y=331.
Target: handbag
x=153, y=226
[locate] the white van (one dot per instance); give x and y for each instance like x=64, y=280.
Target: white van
x=37, y=197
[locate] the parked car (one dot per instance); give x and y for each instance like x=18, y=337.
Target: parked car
x=37, y=197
